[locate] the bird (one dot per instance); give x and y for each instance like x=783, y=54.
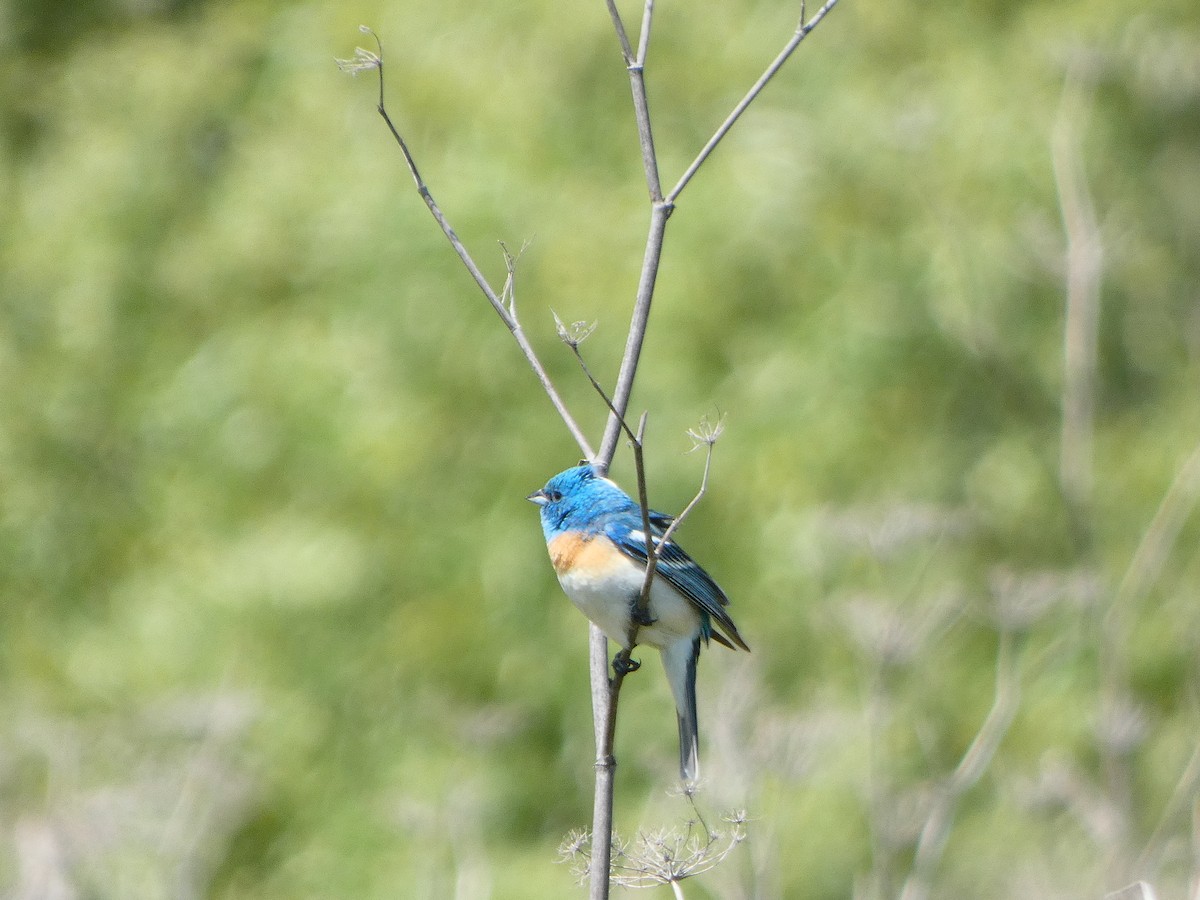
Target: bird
x=597, y=545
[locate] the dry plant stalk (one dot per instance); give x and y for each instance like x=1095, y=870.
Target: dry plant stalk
x=604, y=688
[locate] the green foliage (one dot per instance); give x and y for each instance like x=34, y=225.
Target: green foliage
x=277, y=621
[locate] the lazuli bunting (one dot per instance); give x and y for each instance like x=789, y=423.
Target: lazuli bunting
x=594, y=532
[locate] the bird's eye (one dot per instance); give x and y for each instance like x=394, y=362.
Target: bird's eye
x=553, y=496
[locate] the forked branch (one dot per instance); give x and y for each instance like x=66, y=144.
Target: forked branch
x=604, y=690
x=365, y=60
x=802, y=31
x=663, y=206
x=705, y=434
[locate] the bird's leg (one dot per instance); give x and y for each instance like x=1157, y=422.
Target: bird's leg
x=641, y=615
x=638, y=618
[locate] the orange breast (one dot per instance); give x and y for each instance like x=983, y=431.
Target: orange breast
x=583, y=553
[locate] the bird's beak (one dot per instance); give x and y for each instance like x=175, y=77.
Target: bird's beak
x=539, y=497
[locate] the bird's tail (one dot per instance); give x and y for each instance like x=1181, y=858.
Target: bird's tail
x=679, y=661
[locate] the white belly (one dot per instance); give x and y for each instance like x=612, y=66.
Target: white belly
x=609, y=599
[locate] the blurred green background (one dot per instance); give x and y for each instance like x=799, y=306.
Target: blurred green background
x=277, y=621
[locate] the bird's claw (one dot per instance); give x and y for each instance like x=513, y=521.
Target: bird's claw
x=623, y=665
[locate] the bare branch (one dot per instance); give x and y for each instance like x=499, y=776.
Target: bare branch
x=705, y=435
x=654, y=549
x=605, y=691
x=1139, y=890
x=604, y=723
x=508, y=293
x=364, y=60
x=635, y=65
x=643, y=604
x=622, y=35
x=637, y=332
x=801, y=33
x=1177, y=804
x=1084, y=263
x=641, y=106
x=662, y=207
x=572, y=336
x=969, y=770
x=644, y=36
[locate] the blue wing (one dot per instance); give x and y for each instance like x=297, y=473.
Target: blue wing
x=680, y=570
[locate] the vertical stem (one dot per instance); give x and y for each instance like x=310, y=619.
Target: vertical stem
x=637, y=332
x=605, y=690
x=1084, y=263
x=641, y=106
x=604, y=719
x=967, y=773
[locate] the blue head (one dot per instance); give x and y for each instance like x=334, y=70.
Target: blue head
x=579, y=499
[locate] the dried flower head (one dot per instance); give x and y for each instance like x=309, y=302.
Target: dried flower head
x=363, y=60
x=707, y=432
x=574, y=334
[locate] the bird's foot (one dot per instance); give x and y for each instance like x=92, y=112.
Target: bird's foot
x=623, y=664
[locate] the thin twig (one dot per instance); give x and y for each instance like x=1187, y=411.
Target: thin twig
x=572, y=340
x=802, y=31
x=706, y=435
x=641, y=106
x=968, y=771
x=654, y=550
x=643, y=602
x=364, y=60
x=1184, y=793
x=661, y=208
x=1084, y=265
x=1176, y=507
x=606, y=689
x=509, y=291
x=635, y=65
x=644, y=35
x=573, y=336
x=622, y=35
